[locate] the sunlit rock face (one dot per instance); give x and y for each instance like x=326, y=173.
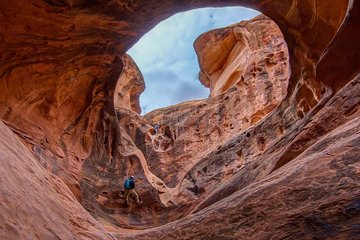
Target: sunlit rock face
x=129, y=86
x=69, y=94
x=243, y=54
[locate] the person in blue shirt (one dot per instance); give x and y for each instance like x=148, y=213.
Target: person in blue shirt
x=156, y=128
x=129, y=186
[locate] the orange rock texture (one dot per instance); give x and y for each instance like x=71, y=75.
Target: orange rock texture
x=36, y=204
x=273, y=153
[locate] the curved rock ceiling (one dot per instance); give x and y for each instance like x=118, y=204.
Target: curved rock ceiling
x=286, y=167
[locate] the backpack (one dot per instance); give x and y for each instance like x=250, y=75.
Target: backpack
x=129, y=183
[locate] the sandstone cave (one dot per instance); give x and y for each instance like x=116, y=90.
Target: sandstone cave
x=273, y=153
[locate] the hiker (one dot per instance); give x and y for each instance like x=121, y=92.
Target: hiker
x=156, y=127
x=129, y=186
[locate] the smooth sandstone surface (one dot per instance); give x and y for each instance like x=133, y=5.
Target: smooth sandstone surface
x=36, y=204
x=272, y=153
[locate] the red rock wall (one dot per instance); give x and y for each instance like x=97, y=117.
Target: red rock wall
x=59, y=71
x=36, y=204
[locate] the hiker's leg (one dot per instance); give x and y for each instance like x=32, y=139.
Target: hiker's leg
x=126, y=196
x=129, y=195
x=136, y=197
x=133, y=194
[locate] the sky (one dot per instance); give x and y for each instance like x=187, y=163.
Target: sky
x=167, y=59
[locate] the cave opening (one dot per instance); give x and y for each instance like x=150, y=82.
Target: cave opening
x=246, y=67
x=167, y=60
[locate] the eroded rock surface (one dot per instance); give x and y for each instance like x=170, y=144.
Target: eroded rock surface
x=36, y=204
x=289, y=170
x=129, y=86
x=244, y=54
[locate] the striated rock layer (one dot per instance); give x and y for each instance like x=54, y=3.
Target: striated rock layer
x=268, y=155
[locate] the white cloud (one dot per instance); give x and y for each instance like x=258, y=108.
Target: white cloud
x=166, y=57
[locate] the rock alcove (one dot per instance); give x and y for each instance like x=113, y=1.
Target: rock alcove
x=68, y=141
